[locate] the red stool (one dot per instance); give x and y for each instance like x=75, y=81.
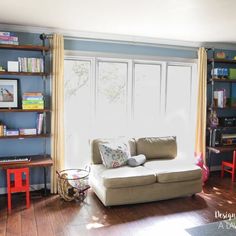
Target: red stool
x=231, y=167
x=18, y=184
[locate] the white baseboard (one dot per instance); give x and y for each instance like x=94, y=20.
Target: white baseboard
x=33, y=187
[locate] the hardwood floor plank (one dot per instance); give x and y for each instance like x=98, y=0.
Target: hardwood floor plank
x=42, y=218
x=28, y=223
x=14, y=224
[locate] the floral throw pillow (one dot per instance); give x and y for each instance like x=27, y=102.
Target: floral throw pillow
x=114, y=154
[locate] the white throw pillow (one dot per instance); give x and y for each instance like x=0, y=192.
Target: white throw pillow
x=114, y=154
x=136, y=160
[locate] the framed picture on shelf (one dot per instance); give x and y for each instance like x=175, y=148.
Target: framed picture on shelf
x=9, y=93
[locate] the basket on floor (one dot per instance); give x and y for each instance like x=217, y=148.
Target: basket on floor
x=73, y=184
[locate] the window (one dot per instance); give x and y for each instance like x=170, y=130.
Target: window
x=147, y=98
x=111, y=97
x=78, y=110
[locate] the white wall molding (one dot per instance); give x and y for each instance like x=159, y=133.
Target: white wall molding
x=104, y=37
x=117, y=38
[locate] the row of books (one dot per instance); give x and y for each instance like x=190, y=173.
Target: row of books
x=4, y=131
x=30, y=64
x=8, y=38
x=31, y=101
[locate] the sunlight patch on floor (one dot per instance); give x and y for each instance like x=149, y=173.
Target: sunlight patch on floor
x=94, y=225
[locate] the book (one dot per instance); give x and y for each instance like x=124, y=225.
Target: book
x=39, y=123
x=12, y=132
x=32, y=106
x=29, y=102
x=9, y=42
x=9, y=38
x=2, y=33
x=33, y=94
x=5, y=33
x=35, y=65
x=32, y=98
x=28, y=131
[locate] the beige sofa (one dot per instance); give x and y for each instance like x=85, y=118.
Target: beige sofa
x=164, y=175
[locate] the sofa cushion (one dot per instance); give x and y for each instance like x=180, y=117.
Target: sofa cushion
x=95, y=153
x=174, y=170
x=124, y=176
x=164, y=147
x=114, y=154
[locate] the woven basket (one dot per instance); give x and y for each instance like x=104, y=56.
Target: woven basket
x=73, y=184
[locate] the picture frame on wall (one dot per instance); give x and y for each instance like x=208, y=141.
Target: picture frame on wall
x=9, y=93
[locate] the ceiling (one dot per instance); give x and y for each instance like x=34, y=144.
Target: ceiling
x=188, y=20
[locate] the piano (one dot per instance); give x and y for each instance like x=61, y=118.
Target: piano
x=14, y=160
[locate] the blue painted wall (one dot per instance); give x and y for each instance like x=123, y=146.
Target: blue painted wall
x=122, y=48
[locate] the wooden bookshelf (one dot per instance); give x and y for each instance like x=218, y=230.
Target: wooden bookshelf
x=23, y=73
x=222, y=149
x=25, y=136
x=24, y=47
x=24, y=110
x=225, y=61
x=222, y=108
x=222, y=80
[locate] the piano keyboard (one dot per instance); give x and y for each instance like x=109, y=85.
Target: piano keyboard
x=14, y=160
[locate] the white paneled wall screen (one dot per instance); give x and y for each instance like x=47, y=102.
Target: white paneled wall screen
x=110, y=97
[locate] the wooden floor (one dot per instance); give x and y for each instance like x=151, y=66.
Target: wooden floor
x=52, y=216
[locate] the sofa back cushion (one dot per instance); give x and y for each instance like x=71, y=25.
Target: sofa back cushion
x=95, y=152
x=160, y=147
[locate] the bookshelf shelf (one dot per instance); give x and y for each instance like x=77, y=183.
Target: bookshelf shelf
x=23, y=73
x=25, y=136
x=222, y=108
x=21, y=110
x=222, y=80
x=224, y=61
x=24, y=47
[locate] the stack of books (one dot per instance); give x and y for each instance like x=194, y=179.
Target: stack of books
x=8, y=38
x=32, y=101
x=30, y=64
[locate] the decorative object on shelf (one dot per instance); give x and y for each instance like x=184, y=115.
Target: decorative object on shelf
x=213, y=120
x=8, y=93
x=232, y=73
x=220, y=55
x=13, y=66
x=2, y=69
x=220, y=73
x=1, y=129
x=220, y=98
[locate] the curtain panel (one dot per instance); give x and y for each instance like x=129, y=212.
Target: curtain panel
x=57, y=116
